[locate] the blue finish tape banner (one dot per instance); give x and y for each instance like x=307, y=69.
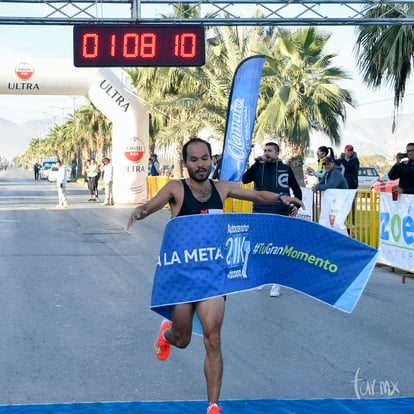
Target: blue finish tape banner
x=241, y=115
x=323, y=406
x=204, y=256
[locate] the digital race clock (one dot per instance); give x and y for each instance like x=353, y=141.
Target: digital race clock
x=138, y=45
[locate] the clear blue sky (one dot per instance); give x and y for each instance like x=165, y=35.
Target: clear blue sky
x=22, y=42
x=372, y=104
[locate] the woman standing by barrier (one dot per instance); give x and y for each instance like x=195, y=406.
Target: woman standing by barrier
x=321, y=153
x=92, y=173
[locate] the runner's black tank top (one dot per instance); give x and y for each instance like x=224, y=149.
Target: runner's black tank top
x=192, y=206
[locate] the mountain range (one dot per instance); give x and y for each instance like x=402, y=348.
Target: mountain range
x=15, y=138
x=374, y=136
x=371, y=136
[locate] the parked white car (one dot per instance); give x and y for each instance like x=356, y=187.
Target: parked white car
x=53, y=174
x=367, y=177
x=44, y=173
x=51, y=177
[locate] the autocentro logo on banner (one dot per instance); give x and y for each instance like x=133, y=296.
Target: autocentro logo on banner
x=237, y=250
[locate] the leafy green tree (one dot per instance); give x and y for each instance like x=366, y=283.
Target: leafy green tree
x=168, y=93
x=300, y=93
x=185, y=101
x=385, y=52
x=227, y=47
x=86, y=134
x=378, y=161
x=95, y=128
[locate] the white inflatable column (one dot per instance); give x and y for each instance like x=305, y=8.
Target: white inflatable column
x=130, y=136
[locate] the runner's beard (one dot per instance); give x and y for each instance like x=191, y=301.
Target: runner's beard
x=196, y=177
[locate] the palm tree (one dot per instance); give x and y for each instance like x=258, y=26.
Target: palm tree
x=95, y=128
x=299, y=92
x=203, y=102
x=87, y=133
x=227, y=47
x=56, y=140
x=151, y=85
x=200, y=98
x=73, y=141
x=167, y=92
x=384, y=52
x=161, y=88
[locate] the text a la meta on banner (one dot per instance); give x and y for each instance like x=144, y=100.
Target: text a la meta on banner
x=205, y=256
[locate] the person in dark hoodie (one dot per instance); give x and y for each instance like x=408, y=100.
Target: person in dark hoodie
x=350, y=163
x=404, y=170
x=333, y=177
x=270, y=174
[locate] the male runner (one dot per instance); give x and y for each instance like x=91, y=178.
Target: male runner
x=197, y=194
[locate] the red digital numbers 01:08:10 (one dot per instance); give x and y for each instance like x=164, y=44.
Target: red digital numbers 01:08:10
x=133, y=45
x=138, y=46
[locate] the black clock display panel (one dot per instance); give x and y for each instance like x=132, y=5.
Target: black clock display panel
x=138, y=45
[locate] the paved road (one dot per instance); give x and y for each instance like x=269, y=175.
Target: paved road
x=75, y=323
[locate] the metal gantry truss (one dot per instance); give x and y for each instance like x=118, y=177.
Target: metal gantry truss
x=213, y=12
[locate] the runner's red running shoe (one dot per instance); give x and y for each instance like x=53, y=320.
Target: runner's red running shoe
x=162, y=347
x=213, y=408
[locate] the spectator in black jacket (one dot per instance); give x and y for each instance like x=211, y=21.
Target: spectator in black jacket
x=404, y=170
x=270, y=174
x=350, y=162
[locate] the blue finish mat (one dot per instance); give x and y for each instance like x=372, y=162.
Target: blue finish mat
x=327, y=406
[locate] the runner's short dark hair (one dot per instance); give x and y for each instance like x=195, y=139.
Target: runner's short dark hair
x=193, y=141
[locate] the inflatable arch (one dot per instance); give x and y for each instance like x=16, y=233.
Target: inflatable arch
x=129, y=116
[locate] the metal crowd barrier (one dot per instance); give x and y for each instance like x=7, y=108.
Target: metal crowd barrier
x=362, y=222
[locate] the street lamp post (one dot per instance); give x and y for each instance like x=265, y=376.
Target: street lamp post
x=51, y=116
x=62, y=108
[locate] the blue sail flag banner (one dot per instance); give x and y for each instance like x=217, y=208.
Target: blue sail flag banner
x=204, y=256
x=241, y=115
